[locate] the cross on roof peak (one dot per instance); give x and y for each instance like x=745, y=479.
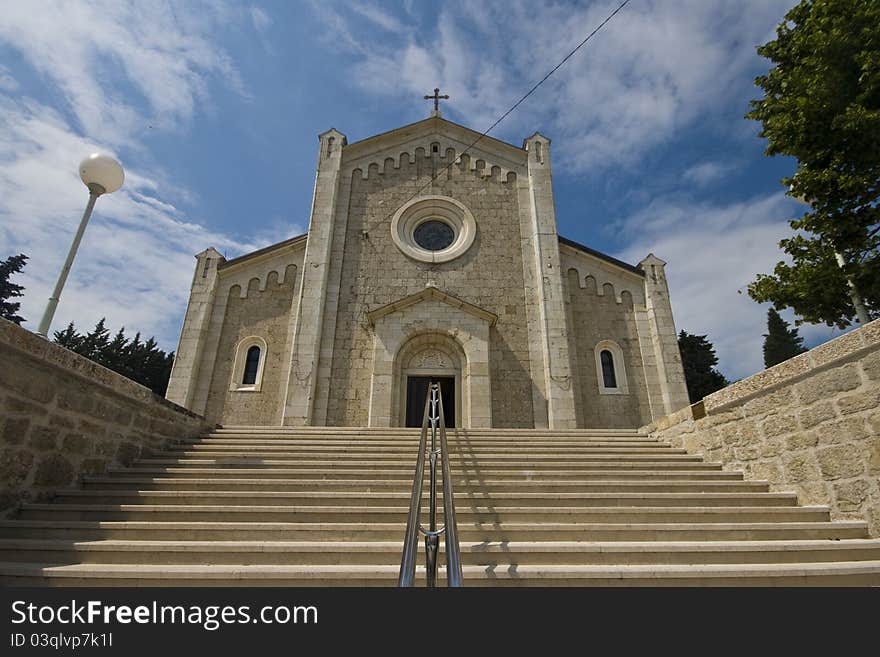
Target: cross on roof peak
x=436, y=98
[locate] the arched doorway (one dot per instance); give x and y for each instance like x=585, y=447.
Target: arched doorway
x=425, y=358
x=431, y=321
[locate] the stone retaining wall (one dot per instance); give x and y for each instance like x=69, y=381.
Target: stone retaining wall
x=63, y=416
x=810, y=424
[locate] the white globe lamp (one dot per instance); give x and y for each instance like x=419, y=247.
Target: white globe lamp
x=101, y=169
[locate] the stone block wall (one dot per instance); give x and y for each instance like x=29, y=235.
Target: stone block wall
x=810, y=424
x=254, y=312
x=596, y=317
x=374, y=272
x=63, y=416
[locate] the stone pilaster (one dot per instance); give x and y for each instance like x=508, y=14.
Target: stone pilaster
x=559, y=385
x=663, y=369
x=196, y=321
x=308, y=319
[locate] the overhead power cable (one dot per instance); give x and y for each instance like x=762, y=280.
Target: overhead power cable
x=520, y=101
x=552, y=71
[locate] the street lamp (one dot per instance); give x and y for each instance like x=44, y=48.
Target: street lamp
x=102, y=175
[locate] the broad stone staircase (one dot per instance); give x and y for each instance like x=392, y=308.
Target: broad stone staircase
x=327, y=506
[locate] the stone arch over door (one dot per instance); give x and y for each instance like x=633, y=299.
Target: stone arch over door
x=409, y=326
x=429, y=354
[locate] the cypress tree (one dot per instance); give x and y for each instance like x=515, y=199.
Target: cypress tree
x=698, y=359
x=780, y=342
x=69, y=338
x=142, y=362
x=9, y=290
x=93, y=344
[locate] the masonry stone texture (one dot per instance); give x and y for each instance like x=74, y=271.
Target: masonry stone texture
x=519, y=313
x=253, y=312
x=810, y=425
x=379, y=274
x=63, y=416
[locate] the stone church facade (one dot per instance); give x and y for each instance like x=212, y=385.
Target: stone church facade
x=425, y=262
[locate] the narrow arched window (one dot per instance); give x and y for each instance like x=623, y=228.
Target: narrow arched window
x=609, y=378
x=610, y=368
x=250, y=361
x=251, y=365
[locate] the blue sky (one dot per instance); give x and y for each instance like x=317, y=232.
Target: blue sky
x=214, y=109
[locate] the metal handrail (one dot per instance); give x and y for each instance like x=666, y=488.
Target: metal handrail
x=434, y=418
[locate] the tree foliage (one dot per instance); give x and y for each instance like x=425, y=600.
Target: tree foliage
x=780, y=342
x=821, y=105
x=699, y=360
x=9, y=290
x=140, y=361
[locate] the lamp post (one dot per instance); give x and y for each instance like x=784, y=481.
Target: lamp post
x=102, y=175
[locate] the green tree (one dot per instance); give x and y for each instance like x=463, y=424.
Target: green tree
x=9, y=290
x=69, y=338
x=780, y=342
x=94, y=344
x=699, y=360
x=116, y=347
x=821, y=105
x=142, y=362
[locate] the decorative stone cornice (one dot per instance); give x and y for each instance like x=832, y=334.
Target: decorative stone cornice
x=432, y=293
x=486, y=156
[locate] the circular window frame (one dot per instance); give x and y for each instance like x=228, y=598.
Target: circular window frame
x=433, y=208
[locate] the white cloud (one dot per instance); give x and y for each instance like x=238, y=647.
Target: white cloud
x=135, y=262
x=260, y=19
x=714, y=252
x=7, y=82
x=655, y=68
x=376, y=16
x=165, y=53
x=706, y=173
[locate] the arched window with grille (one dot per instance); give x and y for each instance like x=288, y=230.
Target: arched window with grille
x=610, y=368
x=250, y=360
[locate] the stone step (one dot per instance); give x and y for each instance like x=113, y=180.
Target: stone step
x=411, y=452
x=462, y=498
x=852, y=573
x=120, y=482
x=304, y=506
x=501, y=441
x=413, y=439
x=489, y=515
x=389, y=552
x=494, y=532
x=391, y=443
x=456, y=464
x=711, y=471
x=410, y=458
x=395, y=432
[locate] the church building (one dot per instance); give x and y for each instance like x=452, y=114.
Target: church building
x=432, y=253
